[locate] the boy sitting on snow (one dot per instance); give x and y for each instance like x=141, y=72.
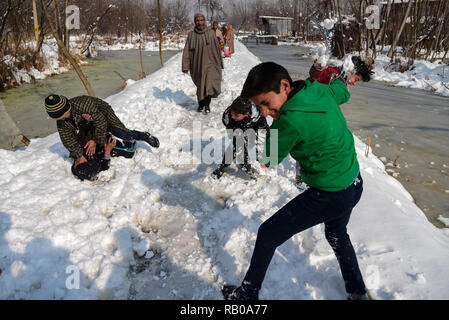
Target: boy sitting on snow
x=239, y=118
x=72, y=114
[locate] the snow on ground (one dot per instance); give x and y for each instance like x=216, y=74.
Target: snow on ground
x=154, y=228
x=424, y=75
x=170, y=42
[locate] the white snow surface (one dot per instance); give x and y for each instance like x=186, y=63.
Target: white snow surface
x=151, y=228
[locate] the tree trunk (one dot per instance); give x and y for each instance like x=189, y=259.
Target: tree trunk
x=440, y=28
x=67, y=31
x=361, y=15
x=384, y=24
x=398, y=35
x=160, y=32
x=58, y=28
x=5, y=17
x=36, y=22
x=341, y=28
x=65, y=51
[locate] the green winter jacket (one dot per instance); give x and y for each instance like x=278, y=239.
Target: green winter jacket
x=103, y=118
x=313, y=130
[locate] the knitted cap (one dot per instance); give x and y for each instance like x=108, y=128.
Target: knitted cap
x=56, y=105
x=198, y=14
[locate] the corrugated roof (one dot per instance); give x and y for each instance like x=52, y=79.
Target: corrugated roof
x=272, y=17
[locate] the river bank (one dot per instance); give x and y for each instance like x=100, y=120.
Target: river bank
x=25, y=103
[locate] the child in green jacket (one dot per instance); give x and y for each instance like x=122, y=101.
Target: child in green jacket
x=312, y=129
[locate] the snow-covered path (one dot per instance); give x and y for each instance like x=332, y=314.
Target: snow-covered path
x=154, y=227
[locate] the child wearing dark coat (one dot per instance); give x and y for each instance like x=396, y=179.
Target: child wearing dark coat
x=243, y=120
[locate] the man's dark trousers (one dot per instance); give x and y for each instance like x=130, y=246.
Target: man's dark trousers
x=308, y=209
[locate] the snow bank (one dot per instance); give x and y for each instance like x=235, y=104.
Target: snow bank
x=152, y=228
x=423, y=75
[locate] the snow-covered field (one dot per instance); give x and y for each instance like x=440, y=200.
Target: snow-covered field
x=152, y=228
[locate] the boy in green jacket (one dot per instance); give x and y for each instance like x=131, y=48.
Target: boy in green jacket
x=312, y=129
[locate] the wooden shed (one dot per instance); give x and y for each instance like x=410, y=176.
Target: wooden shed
x=279, y=26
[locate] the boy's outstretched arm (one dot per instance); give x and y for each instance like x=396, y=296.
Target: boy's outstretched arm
x=338, y=91
x=287, y=136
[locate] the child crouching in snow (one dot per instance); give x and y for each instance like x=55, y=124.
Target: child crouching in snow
x=71, y=116
x=239, y=118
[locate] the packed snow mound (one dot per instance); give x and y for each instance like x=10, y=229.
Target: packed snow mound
x=158, y=227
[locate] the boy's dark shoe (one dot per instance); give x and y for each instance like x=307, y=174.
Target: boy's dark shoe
x=151, y=140
x=207, y=109
x=249, y=170
x=218, y=173
x=200, y=107
x=357, y=296
x=239, y=293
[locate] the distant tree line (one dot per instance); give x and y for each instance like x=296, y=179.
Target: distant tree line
x=419, y=28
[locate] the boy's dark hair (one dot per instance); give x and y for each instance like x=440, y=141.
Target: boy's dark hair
x=241, y=105
x=362, y=69
x=263, y=78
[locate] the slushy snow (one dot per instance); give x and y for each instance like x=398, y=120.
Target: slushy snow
x=153, y=228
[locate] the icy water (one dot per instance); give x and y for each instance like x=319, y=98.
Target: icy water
x=407, y=125
x=25, y=103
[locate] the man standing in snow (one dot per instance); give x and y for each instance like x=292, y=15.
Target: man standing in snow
x=202, y=57
x=312, y=129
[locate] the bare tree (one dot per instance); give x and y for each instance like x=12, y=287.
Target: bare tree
x=66, y=53
x=401, y=28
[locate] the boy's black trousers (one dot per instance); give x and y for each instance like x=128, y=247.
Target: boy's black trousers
x=308, y=209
